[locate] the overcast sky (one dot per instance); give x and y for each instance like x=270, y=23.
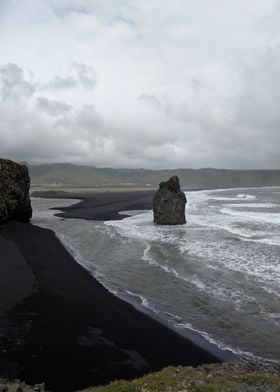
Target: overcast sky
x=141, y=83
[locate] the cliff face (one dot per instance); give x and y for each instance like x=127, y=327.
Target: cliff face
x=169, y=203
x=14, y=192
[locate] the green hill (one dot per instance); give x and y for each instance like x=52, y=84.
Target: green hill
x=58, y=175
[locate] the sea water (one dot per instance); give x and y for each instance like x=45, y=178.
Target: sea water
x=219, y=274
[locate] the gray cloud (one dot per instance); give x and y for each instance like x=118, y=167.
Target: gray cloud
x=62, y=83
x=81, y=75
x=14, y=85
x=149, y=99
x=85, y=75
x=53, y=108
x=175, y=89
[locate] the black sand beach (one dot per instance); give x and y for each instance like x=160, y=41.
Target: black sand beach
x=63, y=327
x=106, y=206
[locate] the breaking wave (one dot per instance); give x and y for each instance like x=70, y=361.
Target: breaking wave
x=219, y=275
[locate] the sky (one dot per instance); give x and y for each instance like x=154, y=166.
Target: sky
x=141, y=83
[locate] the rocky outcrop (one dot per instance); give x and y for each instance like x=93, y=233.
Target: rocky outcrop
x=14, y=192
x=169, y=203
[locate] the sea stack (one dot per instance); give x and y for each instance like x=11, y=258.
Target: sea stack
x=14, y=192
x=169, y=203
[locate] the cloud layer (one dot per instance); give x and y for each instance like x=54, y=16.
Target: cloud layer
x=141, y=84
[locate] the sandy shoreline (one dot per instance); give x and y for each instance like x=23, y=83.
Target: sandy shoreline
x=68, y=330
x=103, y=206
x=106, y=206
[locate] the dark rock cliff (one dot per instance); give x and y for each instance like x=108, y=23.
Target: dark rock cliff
x=169, y=203
x=14, y=192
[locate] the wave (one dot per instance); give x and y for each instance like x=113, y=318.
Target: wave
x=213, y=249
x=215, y=290
x=232, y=198
x=245, y=196
x=274, y=241
x=255, y=264
x=251, y=205
x=142, y=303
x=183, y=328
x=172, y=320
x=221, y=198
x=177, y=323
x=181, y=325
x=257, y=217
x=227, y=226
x=141, y=227
x=66, y=242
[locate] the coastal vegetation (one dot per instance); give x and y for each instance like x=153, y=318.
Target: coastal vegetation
x=229, y=377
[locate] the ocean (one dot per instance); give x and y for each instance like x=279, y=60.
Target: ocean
x=218, y=275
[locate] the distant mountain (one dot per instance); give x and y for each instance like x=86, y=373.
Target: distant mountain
x=58, y=175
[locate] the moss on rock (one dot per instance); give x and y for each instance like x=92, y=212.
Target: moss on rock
x=14, y=192
x=18, y=386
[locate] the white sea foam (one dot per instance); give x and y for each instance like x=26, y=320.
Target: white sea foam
x=245, y=196
x=262, y=268
x=215, y=290
x=180, y=325
x=251, y=205
x=141, y=227
x=212, y=195
x=220, y=293
x=221, y=224
x=265, y=217
x=246, y=355
x=273, y=241
x=144, y=302
x=221, y=198
x=176, y=321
